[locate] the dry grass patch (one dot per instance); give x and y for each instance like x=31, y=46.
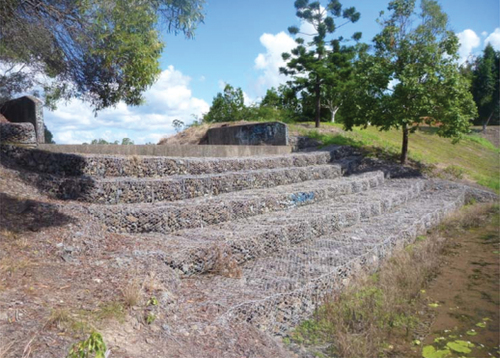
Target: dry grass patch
x=14, y=240
x=5, y=349
x=132, y=294
x=11, y=265
x=224, y=263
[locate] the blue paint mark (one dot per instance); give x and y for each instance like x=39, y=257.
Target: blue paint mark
x=301, y=198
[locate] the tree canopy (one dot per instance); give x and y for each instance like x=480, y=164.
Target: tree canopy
x=413, y=77
x=485, y=85
x=317, y=65
x=101, y=51
x=228, y=106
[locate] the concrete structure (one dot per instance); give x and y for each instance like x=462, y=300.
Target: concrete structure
x=26, y=109
x=203, y=151
x=271, y=133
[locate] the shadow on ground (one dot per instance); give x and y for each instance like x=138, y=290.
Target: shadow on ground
x=29, y=215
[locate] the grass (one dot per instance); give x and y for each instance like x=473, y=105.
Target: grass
x=474, y=157
x=383, y=308
x=132, y=294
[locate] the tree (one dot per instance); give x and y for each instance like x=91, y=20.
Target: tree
x=49, y=138
x=485, y=85
x=340, y=64
x=127, y=141
x=272, y=99
x=177, y=124
x=413, y=78
x=102, y=51
x=228, y=106
x=309, y=64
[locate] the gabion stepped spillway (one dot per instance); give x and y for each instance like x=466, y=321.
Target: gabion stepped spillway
x=260, y=239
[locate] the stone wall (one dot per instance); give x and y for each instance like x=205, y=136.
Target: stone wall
x=66, y=164
x=220, y=151
x=26, y=109
x=271, y=133
x=18, y=133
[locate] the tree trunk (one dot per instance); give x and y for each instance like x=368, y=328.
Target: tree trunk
x=404, y=150
x=318, y=103
x=485, y=124
x=334, y=112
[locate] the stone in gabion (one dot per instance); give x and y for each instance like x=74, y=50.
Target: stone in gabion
x=17, y=134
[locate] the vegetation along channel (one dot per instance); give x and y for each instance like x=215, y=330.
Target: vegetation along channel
x=446, y=306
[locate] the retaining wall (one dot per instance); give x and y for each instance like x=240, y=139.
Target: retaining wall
x=18, y=133
x=170, y=150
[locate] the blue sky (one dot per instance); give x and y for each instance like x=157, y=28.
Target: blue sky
x=240, y=43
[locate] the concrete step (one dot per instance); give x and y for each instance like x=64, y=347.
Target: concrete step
x=101, y=166
x=276, y=292
x=195, y=251
x=181, y=187
x=204, y=211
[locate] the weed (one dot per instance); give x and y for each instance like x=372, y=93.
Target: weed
x=150, y=318
x=92, y=345
x=152, y=283
x=12, y=265
x=58, y=317
x=111, y=310
x=482, y=141
x=152, y=301
x=14, y=239
x=468, y=217
x=76, y=322
x=131, y=294
x=224, y=263
x=454, y=171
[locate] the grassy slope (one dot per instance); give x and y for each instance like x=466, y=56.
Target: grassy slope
x=474, y=157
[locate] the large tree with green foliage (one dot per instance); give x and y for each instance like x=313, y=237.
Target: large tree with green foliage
x=485, y=85
x=310, y=64
x=413, y=76
x=102, y=51
x=228, y=106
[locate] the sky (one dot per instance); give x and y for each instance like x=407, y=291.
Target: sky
x=240, y=43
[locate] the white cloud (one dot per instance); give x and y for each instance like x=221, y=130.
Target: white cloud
x=270, y=61
x=247, y=100
x=168, y=99
x=484, y=33
x=222, y=84
x=468, y=42
x=494, y=39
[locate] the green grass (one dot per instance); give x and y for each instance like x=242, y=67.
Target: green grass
x=474, y=157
